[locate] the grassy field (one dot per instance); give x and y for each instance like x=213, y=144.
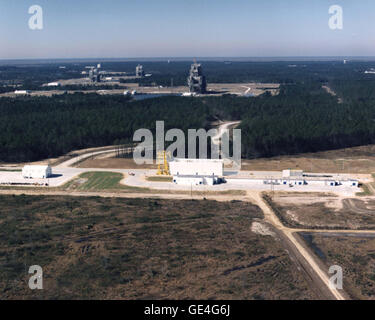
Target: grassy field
x=349, y=160
x=113, y=163
x=356, y=256
x=110, y=182
x=93, y=181
x=365, y=191
x=160, y=179
x=368, y=189
x=111, y=248
x=100, y=181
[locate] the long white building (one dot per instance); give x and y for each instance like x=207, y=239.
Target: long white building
x=199, y=167
x=196, y=171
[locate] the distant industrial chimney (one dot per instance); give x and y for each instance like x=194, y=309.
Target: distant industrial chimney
x=139, y=71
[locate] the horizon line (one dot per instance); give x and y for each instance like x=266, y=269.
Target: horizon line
x=274, y=58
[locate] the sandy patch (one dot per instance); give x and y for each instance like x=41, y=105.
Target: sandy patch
x=261, y=229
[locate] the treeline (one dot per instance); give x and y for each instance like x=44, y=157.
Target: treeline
x=5, y=89
x=302, y=118
x=32, y=76
x=33, y=128
x=81, y=87
x=356, y=91
x=298, y=121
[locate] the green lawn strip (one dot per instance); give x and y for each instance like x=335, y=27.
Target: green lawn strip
x=160, y=179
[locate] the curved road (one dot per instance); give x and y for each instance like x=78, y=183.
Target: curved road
x=74, y=160
x=221, y=130
x=252, y=196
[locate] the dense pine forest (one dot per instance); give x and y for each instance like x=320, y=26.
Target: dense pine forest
x=37, y=128
x=302, y=118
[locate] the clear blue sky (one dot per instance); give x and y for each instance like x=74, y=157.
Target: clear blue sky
x=185, y=28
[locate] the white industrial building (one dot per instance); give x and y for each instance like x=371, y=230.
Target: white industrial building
x=36, y=172
x=202, y=167
x=196, y=171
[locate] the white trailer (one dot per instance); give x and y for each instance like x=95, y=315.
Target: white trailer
x=36, y=172
x=22, y=92
x=53, y=84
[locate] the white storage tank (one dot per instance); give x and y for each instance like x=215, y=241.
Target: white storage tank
x=36, y=172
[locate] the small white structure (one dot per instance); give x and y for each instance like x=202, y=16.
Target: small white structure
x=189, y=94
x=22, y=92
x=350, y=183
x=53, y=84
x=36, y=172
x=292, y=173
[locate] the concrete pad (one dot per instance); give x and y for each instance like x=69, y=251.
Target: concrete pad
x=58, y=178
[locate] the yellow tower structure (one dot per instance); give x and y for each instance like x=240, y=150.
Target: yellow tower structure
x=162, y=161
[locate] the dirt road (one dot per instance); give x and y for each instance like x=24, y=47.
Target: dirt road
x=271, y=217
x=298, y=252
x=221, y=130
